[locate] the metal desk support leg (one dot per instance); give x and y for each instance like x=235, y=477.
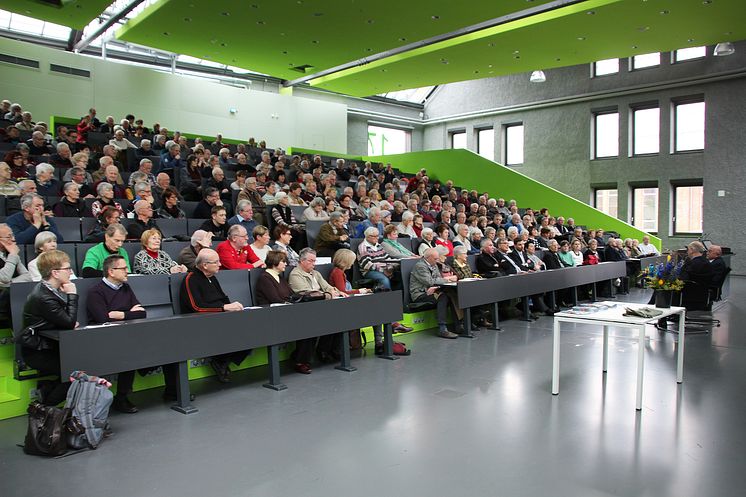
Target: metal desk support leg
x=574, y=296
x=606, y=348
x=467, y=324
x=273, y=360
x=640, y=365
x=680, y=358
x=344, y=365
x=556, y=358
x=388, y=343
x=183, y=404
x=496, y=317
x=526, y=310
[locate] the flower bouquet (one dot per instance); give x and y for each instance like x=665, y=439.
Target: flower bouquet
x=664, y=276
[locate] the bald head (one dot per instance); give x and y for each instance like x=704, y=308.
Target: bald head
x=714, y=252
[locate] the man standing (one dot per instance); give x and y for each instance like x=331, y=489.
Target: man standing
x=112, y=300
x=201, y=292
x=31, y=220
x=697, y=275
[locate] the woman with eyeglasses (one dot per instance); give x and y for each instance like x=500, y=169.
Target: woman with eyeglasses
x=152, y=260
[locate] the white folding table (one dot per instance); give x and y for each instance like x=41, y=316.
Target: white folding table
x=614, y=317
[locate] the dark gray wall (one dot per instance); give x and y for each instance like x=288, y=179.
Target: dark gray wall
x=557, y=118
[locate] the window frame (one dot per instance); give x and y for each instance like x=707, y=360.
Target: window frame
x=632, y=204
x=605, y=188
x=594, y=132
x=595, y=75
x=505, y=132
x=453, y=133
x=407, y=134
x=632, y=125
x=675, y=59
x=674, y=197
x=675, y=103
x=478, y=131
x=632, y=67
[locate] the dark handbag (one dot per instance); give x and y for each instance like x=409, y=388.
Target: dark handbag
x=28, y=338
x=307, y=296
x=48, y=427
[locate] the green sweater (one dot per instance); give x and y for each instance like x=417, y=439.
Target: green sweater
x=95, y=256
x=566, y=257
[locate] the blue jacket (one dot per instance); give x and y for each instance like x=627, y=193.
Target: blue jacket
x=26, y=232
x=360, y=230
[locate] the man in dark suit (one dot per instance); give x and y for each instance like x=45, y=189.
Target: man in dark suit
x=489, y=265
x=719, y=270
x=520, y=257
x=551, y=256
x=697, y=273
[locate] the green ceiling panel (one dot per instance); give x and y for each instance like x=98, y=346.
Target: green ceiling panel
x=579, y=33
x=75, y=14
x=277, y=36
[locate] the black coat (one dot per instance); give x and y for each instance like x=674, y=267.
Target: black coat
x=552, y=260
x=46, y=311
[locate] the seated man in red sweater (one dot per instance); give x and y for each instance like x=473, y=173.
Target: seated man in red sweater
x=235, y=252
x=112, y=300
x=201, y=292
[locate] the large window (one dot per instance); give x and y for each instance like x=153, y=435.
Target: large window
x=646, y=60
x=606, y=200
x=689, y=126
x=688, y=202
x=605, y=67
x=605, y=134
x=645, y=131
x=513, y=144
x=486, y=143
x=458, y=139
x=645, y=209
x=382, y=140
x=689, y=54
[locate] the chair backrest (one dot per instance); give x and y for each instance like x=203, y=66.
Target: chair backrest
x=18, y=294
x=407, y=265
x=80, y=250
x=235, y=284
x=172, y=227
x=86, y=225
x=2, y=206
x=174, y=284
x=193, y=225
x=188, y=208
x=324, y=270
x=132, y=248
x=472, y=260
x=173, y=248
x=69, y=228
x=153, y=293
x=312, y=231
x=297, y=211
x=254, y=275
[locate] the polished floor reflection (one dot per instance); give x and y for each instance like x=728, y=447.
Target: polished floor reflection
x=458, y=417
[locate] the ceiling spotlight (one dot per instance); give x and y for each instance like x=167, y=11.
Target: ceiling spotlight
x=538, y=77
x=724, y=48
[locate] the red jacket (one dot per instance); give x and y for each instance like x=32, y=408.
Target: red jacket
x=231, y=258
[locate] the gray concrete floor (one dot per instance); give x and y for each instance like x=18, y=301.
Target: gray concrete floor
x=458, y=417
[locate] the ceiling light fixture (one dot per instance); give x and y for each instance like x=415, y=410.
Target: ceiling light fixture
x=724, y=48
x=538, y=77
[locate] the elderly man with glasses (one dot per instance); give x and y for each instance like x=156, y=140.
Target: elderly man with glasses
x=201, y=292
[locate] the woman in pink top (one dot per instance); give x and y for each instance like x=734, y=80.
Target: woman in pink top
x=442, y=232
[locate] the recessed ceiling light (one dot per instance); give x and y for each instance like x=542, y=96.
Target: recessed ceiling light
x=557, y=59
x=664, y=12
x=591, y=12
x=690, y=40
x=226, y=14
x=490, y=66
x=706, y=2
x=642, y=29
x=444, y=61
x=224, y=44
x=368, y=49
x=476, y=72
x=384, y=70
x=516, y=52
x=260, y=22
x=166, y=33
x=371, y=21
x=402, y=39
x=284, y=52
x=318, y=14
x=434, y=18
x=634, y=47
x=490, y=44
x=254, y=6
x=516, y=57
x=315, y=41
x=187, y=19
x=581, y=38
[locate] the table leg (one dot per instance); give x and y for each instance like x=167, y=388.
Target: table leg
x=183, y=404
x=273, y=360
x=594, y=291
x=496, y=317
x=344, y=364
x=640, y=365
x=526, y=310
x=606, y=348
x=467, y=324
x=388, y=343
x=574, y=296
x=680, y=359
x=556, y=357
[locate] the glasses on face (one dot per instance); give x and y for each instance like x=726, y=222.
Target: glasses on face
x=213, y=262
x=68, y=269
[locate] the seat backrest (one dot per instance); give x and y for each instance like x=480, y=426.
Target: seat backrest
x=472, y=260
x=312, y=231
x=193, y=225
x=407, y=265
x=18, y=294
x=173, y=248
x=254, y=275
x=172, y=227
x=297, y=211
x=235, y=284
x=188, y=208
x=69, y=228
x=132, y=248
x=174, y=284
x=86, y=225
x=153, y=293
x=324, y=270
x=80, y=250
